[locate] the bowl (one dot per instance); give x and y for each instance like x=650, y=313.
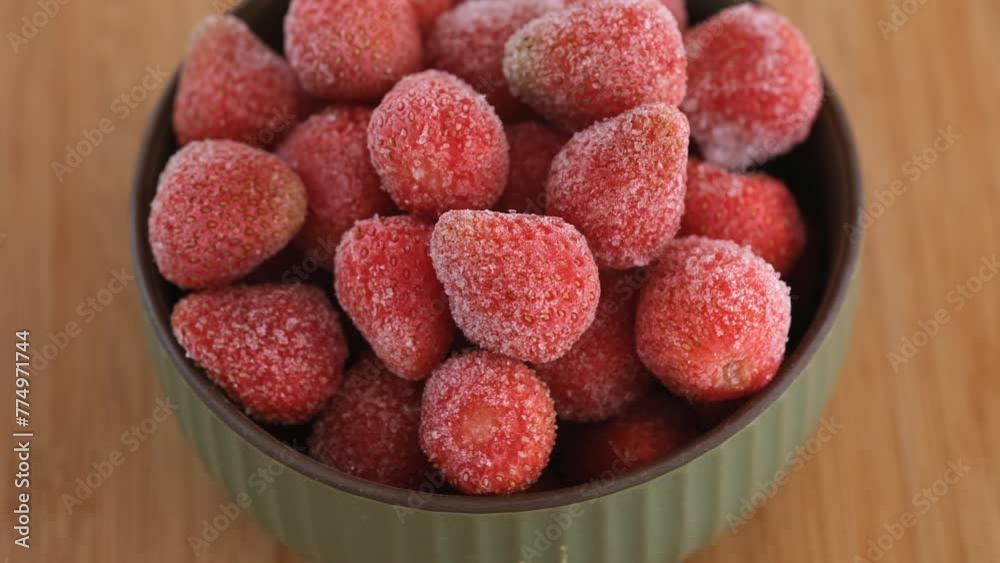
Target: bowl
x=659, y=513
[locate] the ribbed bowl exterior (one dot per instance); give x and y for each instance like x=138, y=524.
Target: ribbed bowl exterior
x=660, y=521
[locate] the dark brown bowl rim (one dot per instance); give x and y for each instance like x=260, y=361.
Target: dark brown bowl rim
x=158, y=312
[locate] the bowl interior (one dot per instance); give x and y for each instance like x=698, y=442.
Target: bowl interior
x=822, y=173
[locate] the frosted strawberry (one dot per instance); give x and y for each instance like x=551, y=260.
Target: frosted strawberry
x=596, y=60
x=713, y=320
x=622, y=183
x=352, y=50
x=277, y=350
x=522, y=285
x=754, y=87
x=469, y=43
x=487, y=423
x=371, y=428
x=385, y=282
x=644, y=434
x=438, y=145
x=533, y=146
x=329, y=152
x=754, y=210
x=221, y=209
x=235, y=87
x=601, y=375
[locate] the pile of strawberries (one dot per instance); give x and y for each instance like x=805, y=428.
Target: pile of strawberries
x=518, y=233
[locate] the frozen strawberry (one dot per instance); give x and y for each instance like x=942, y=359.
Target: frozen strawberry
x=754, y=88
x=371, y=428
x=645, y=433
x=754, y=210
x=596, y=60
x=234, y=87
x=438, y=145
x=522, y=285
x=601, y=374
x=221, y=209
x=329, y=152
x=533, y=146
x=487, y=423
x=277, y=350
x=428, y=11
x=352, y=50
x=713, y=320
x=385, y=282
x=469, y=43
x=622, y=183
x=677, y=9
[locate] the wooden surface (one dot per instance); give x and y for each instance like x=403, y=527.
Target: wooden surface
x=63, y=242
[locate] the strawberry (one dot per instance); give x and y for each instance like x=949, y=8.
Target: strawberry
x=522, y=285
x=596, y=60
x=755, y=210
x=221, y=209
x=277, y=350
x=713, y=320
x=329, y=151
x=371, y=428
x=487, y=423
x=601, y=374
x=234, y=87
x=649, y=430
x=385, y=282
x=621, y=182
x=438, y=145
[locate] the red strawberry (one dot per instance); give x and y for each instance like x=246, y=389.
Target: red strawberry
x=277, y=350
x=754, y=210
x=385, y=282
x=522, y=285
x=601, y=374
x=621, y=182
x=487, y=423
x=645, y=433
x=329, y=151
x=438, y=145
x=371, y=428
x=235, y=87
x=597, y=60
x=713, y=320
x=221, y=209
x=352, y=50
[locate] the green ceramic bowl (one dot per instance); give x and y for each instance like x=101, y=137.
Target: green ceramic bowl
x=658, y=514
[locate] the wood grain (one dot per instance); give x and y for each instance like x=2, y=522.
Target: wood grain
x=64, y=241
